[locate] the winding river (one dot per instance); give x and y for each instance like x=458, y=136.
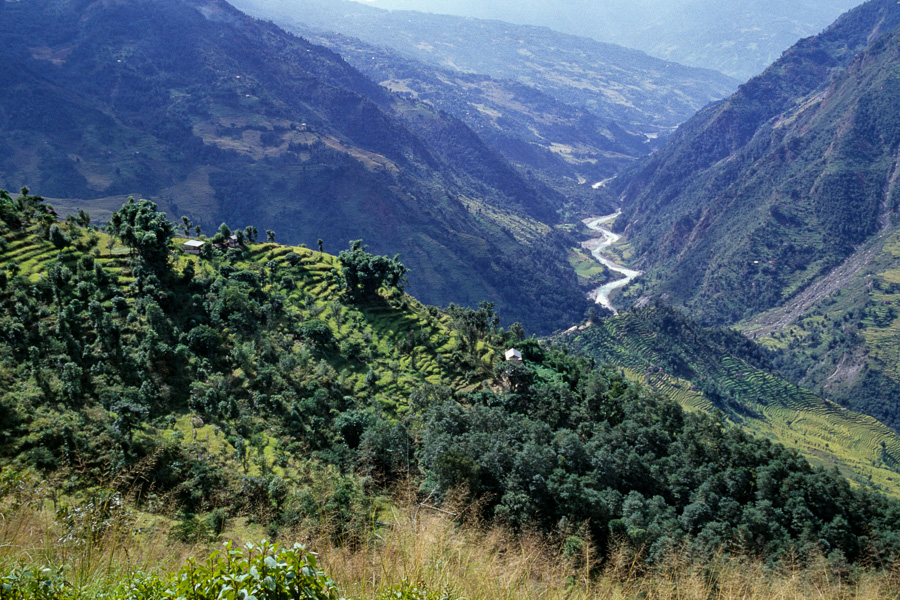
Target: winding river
x=597, y=246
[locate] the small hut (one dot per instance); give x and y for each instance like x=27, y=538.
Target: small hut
x=513, y=355
x=193, y=246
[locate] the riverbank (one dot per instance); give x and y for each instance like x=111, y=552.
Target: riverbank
x=597, y=246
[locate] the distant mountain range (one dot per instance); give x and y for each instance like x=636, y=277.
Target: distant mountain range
x=223, y=118
x=563, y=145
x=642, y=94
x=740, y=39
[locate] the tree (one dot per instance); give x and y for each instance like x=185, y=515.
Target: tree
x=186, y=225
x=364, y=273
x=270, y=236
x=317, y=332
x=83, y=218
x=250, y=232
x=145, y=230
x=59, y=239
x=321, y=243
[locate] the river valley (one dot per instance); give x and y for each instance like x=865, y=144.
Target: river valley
x=597, y=247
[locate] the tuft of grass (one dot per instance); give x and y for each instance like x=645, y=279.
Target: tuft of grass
x=433, y=551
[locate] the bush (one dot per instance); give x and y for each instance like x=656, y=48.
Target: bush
x=265, y=572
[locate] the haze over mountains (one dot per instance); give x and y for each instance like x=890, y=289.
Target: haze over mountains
x=739, y=39
x=638, y=92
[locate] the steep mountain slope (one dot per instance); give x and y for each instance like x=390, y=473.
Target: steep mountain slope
x=643, y=94
x=840, y=336
x=221, y=117
x=738, y=39
x=759, y=195
x=566, y=146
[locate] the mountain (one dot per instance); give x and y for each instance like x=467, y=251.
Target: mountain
x=737, y=39
x=643, y=95
x=224, y=118
x=839, y=336
x=758, y=196
x=564, y=146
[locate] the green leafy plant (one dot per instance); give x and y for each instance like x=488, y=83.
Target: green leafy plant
x=262, y=571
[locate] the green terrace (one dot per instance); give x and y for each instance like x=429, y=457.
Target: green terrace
x=701, y=375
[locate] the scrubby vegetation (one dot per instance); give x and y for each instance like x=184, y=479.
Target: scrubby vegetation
x=286, y=392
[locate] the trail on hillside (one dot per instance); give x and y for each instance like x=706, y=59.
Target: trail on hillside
x=597, y=246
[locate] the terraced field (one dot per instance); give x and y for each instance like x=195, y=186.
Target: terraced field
x=399, y=338
x=31, y=254
x=679, y=361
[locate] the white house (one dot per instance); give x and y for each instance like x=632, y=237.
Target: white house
x=513, y=355
x=193, y=246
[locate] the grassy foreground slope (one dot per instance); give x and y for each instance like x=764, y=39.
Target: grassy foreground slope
x=710, y=370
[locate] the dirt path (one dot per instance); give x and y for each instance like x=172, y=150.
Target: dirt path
x=839, y=277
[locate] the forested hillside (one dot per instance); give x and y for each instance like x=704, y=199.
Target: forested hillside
x=719, y=370
x=220, y=117
x=286, y=387
x=758, y=196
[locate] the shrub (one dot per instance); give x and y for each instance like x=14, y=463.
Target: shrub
x=264, y=571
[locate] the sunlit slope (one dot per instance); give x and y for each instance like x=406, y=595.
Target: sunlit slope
x=714, y=370
x=404, y=343
x=841, y=337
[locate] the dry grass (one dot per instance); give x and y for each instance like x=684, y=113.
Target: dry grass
x=101, y=543
x=444, y=550
x=31, y=537
x=430, y=549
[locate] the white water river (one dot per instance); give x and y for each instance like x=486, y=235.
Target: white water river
x=597, y=246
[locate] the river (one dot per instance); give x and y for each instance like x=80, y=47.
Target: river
x=597, y=246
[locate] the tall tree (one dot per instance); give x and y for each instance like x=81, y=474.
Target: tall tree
x=365, y=273
x=145, y=230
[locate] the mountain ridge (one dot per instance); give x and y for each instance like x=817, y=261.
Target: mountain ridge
x=610, y=81
x=233, y=119
x=751, y=180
